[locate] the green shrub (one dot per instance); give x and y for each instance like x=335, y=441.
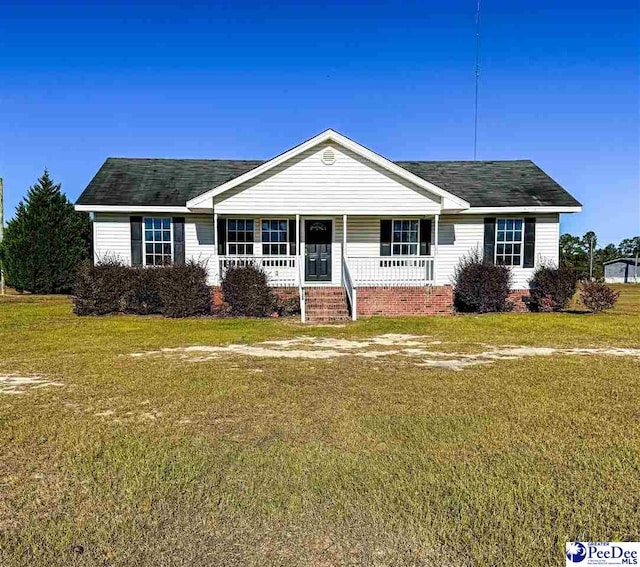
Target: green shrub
x=246, y=290
x=552, y=288
x=101, y=289
x=481, y=287
x=598, y=297
x=184, y=291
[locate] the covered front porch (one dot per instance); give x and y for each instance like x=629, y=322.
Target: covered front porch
x=347, y=251
x=364, y=270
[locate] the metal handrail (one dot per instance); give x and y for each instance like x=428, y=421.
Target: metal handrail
x=349, y=288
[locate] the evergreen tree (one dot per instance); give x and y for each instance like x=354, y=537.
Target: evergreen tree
x=630, y=247
x=45, y=241
x=572, y=254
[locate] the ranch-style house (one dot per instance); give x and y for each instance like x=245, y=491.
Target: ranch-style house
x=348, y=230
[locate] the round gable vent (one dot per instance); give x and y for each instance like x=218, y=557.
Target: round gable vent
x=328, y=156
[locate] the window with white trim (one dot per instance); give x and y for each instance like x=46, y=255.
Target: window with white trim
x=509, y=241
x=275, y=236
x=157, y=241
x=404, y=237
x=240, y=237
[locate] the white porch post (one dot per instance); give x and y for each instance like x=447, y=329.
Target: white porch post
x=216, y=260
x=300, y=266
x=298, y=251
x=435, y=249
x=344, y=236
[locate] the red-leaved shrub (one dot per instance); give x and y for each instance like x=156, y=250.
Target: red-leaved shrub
x=552, y=288
x=598, y=297
x=246, y=290
x=177, y=290
x=480, y=287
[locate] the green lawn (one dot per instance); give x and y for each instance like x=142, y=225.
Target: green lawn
x=171, y=459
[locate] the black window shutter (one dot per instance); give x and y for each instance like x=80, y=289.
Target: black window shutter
x=385, y=237
x=529, y=242
x=222, y=236
x=489, y=240
x=425, y=237
x=292, y=237
x=136, y=241
x=178, y=240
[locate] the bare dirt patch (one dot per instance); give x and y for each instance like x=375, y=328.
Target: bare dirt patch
x=419, y=348
x=14, y=384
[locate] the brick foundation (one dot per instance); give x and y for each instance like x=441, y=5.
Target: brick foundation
x=516, y=296
x=218, y=302
x=404, y=301
x=394, y=301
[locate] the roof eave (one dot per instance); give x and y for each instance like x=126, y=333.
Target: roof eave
x=130, y=209
x=523, y=209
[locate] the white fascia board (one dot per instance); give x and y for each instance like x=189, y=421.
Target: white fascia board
x=516, y=210
x=129, y=209
x=326, y=136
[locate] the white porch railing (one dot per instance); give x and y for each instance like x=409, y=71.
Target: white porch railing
x=281, y=270
x=391, y=270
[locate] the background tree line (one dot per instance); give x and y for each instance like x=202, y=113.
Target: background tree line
x=575, y=252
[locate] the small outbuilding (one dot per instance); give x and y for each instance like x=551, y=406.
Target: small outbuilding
x=622, y=270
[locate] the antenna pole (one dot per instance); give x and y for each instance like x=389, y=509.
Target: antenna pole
x=475, y=119
x=1, y=234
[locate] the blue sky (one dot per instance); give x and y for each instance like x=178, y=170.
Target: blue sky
x=559, y=84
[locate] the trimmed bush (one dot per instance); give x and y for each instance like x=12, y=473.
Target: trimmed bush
x=480, y=287
x=246, y=290
x=101, y=289
x=143, y=297
x=598, y=297
x=552, y=288
x=184, y=291
x=179, y=290
x=288, y=307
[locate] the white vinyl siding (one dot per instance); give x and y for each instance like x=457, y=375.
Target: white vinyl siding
x=305, y=185
x=459, y=234
x=364, y=235
x=199, y=242
x=112, y=237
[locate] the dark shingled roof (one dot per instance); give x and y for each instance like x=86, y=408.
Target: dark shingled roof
x=172, y=182
x=516, y=183
x=159, y=182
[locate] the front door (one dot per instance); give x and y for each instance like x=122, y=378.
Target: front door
x=317, y=265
